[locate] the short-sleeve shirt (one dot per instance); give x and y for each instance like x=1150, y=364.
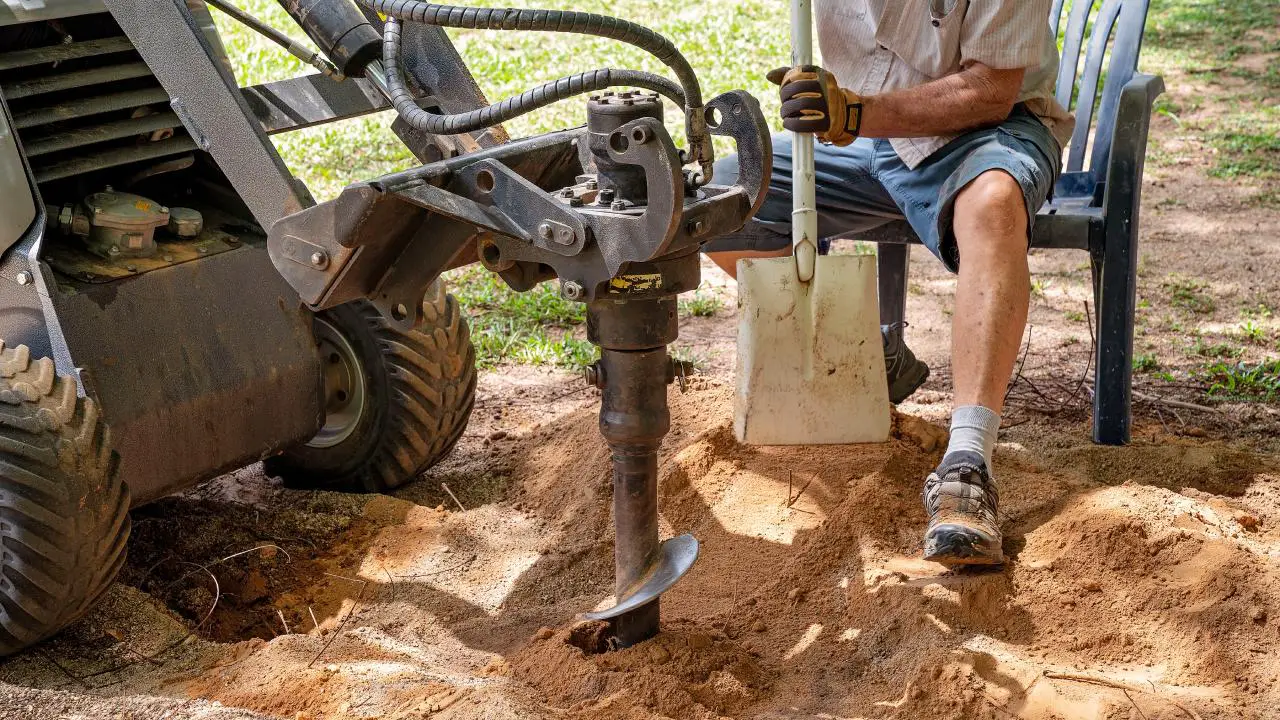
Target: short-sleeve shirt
x=876, y=46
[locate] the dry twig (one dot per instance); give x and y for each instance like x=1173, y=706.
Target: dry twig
x=338, y=630
x=455, y=497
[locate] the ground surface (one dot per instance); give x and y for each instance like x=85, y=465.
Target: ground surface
x=1143, y=582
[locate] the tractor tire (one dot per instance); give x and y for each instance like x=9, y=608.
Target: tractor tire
x=396, y=402
x=64, y=511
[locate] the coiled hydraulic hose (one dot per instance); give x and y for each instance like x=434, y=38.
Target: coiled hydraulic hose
x=530, y=100
x=552, y=21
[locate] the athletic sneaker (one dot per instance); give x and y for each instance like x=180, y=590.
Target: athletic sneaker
x=906, y=373
x=962, y=499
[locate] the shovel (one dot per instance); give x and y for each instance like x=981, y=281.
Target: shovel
x=810, y=367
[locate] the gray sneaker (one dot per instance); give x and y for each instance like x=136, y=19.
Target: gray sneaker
x=906, y=373
x=963, y=503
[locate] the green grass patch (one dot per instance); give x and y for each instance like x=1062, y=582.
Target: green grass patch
x=537, y=327
x=701, y=304
x=1146, y=363
x=1246, y=154
x=1242, y=381
x=1221, y=351
x=1189, y=294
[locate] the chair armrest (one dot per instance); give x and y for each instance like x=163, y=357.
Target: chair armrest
x=1129, y=141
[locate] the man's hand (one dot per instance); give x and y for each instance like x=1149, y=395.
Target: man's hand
x=813, y=102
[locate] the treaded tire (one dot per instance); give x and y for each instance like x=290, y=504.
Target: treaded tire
x=64, y=511
x=420, y=387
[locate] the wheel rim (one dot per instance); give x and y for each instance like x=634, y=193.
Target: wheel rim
x=344, y=386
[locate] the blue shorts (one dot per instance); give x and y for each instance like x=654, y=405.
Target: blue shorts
x=865, y=185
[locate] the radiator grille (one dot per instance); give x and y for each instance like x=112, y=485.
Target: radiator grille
x=84, y=105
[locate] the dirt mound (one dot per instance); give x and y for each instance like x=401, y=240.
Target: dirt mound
x=1141, y=583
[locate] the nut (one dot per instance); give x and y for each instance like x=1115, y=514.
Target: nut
x=24, y=278
x=571, y=290
x=545, y=232
x=618, y=205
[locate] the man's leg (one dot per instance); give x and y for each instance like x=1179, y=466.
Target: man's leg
x=972, y=204
x=990, y=226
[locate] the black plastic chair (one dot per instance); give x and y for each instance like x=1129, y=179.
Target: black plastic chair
x=1095, y=208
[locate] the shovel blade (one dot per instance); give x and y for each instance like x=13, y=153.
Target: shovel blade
x=810, y=367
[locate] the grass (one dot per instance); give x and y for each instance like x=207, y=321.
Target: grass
x=1242, y=381
x=536, y=327
x=701, y=304
x=1146, y=363
x=1189, y=294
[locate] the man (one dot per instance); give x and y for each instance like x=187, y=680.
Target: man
x=941, y=111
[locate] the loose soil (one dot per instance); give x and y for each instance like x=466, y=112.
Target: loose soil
x=1142, y=582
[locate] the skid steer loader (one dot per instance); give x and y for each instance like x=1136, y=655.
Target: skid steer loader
x=174, y=303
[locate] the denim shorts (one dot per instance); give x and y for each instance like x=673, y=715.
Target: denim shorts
x=865, y=185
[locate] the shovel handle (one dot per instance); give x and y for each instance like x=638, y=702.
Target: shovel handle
x=804, y=213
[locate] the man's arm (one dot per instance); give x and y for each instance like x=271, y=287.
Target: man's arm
x=975, y=97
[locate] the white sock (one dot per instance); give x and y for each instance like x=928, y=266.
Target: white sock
x=974, y=428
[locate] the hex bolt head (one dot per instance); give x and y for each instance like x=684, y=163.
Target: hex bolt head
x=607, y=195
x=114, y=250
x=566, y=193
x=594, y=375
x=592, y=184
x=575, y=202
x=571, y=290
x=545, y=232
x=618, y=205
x=320, y=259
x=24, y=278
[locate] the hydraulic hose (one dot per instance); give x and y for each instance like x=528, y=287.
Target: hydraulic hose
x=562, y=21
x=404, y=103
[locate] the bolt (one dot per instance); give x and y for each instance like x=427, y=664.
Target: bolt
x=319, y=259
x=618, y=205
x=24, y=278
x=545, y=232
x=697, y=227
x=566, y=193
x=571, y=290
x=607, y=195
x=592, y=184
x=594, y=375
x=131, y=268
x=575, y=202
x=114, y=250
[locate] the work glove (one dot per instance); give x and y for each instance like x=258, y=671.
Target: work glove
x=813, y=102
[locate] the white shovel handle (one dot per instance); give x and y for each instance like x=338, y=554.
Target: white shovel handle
x=804, y=213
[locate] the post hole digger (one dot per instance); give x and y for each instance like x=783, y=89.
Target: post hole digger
x=157, y=249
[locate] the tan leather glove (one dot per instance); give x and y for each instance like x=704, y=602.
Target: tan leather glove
x=813, y=102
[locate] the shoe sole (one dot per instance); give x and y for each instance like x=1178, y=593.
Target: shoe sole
x=960, y=546
x=907, y=385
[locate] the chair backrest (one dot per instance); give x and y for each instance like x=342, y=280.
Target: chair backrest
x=1127, y=19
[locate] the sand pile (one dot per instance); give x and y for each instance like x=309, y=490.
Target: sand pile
x=1143, y=582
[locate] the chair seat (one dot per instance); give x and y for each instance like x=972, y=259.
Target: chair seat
x=1068, y=223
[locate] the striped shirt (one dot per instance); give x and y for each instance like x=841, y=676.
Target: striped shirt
x=875, y=46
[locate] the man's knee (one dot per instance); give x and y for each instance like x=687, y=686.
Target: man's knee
x=991, y=214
